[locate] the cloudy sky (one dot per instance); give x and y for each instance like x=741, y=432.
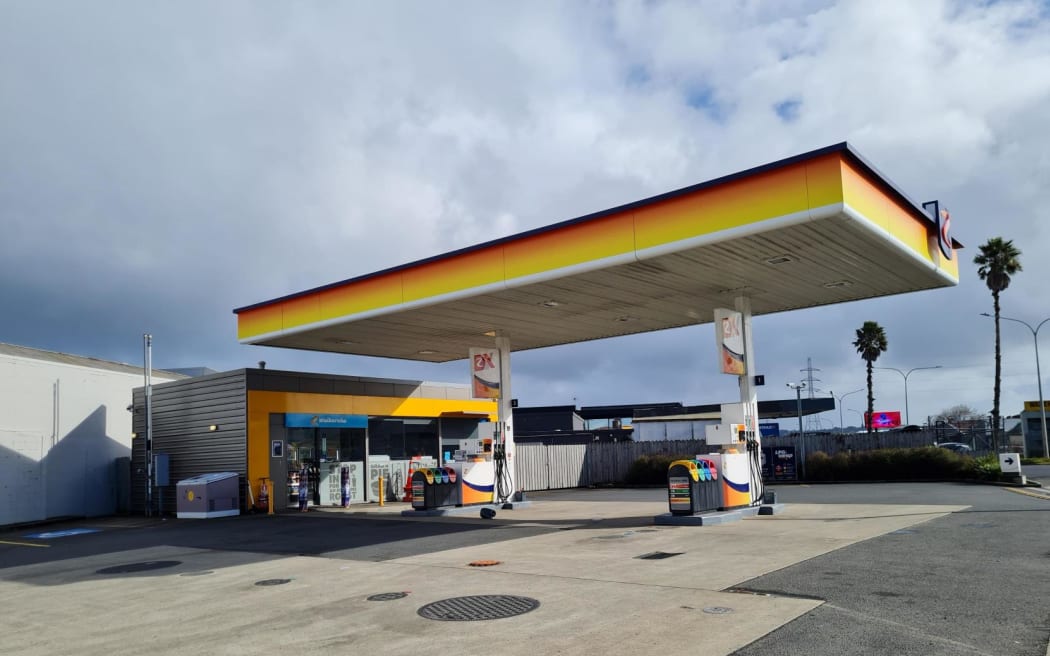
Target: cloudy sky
x=164, y=163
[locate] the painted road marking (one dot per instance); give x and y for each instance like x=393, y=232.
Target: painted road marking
x=1034, y=495
x=61, y=534
x=23, y=544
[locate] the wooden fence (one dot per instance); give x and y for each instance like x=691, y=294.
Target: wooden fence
x=559, y=466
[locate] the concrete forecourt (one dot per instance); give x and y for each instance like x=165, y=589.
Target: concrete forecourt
x=576, y=552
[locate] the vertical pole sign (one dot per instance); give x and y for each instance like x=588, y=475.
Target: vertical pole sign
x=484, y=373
x=729, y=333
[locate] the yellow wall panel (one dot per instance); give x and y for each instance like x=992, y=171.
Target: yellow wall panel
x=865, y=197
x=570, y=245
x=301, y=311
x=460, y=272
x=362, y=296
x=260, y=321
x=824, y=180
x=729, y=205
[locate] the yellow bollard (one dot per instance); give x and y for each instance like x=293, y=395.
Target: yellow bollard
x=382, y=497
x=270, y=504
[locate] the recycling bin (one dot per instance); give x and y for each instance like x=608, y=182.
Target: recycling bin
x=710, y=486
x=419, y=489
x=683, y=487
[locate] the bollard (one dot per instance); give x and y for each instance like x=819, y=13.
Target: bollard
x=270, y=502
x=382, y=497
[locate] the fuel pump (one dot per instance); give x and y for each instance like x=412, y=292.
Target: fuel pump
x=499, y=457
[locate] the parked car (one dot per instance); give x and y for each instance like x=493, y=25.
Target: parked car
x=957, y=447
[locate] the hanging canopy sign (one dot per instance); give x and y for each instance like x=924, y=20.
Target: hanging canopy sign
x=484, y=373
x=308, y=420
x=730, y=335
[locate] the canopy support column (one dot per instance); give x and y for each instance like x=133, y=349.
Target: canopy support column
x=505, y=484
x=749, y=401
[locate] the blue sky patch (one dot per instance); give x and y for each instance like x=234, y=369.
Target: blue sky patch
x=702, y=98
x=788, y=110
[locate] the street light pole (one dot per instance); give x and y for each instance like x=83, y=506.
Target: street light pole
x=842, y=423
x=798, y=387
x=1038, y=374
x=907, y=417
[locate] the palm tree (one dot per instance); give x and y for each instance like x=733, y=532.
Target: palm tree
x=997, y=261
x=870, y=343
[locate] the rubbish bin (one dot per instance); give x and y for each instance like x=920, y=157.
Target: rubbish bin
x=683, y=487
x=208, y=495
x=711, y=487
x=455, y=496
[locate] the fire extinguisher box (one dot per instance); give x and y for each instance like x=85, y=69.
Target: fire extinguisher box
x=208, y=495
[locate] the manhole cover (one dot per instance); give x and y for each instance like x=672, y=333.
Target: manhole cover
x=266, y=582
x=388, y=596
x=204, y=573
x=477, y=607
x=132, y=568
x=484, y=563
x=718, y=610
x=658, y=555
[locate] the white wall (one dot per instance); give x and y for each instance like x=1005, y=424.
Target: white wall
x=57, y=449
x=651, y=431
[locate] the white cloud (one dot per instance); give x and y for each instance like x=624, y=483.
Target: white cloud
x=163, y=166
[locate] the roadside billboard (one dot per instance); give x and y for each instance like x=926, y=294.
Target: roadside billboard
x=890, y=419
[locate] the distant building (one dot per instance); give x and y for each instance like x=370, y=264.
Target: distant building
x=63, y=423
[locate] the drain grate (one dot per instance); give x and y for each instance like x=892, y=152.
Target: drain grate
x=615, y=536
x=477, y=607
x=132, y=568
x=659, y=555
x=718, y=610
x=388, y=596
x=268, y=582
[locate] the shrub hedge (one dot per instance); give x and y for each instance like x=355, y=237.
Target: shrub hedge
x=924, y=463
x=652, y=469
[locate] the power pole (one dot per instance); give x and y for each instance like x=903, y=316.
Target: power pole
x=811, y=386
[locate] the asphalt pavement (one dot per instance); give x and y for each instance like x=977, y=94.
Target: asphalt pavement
x=976, y=581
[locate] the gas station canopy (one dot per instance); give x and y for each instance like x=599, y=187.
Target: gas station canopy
x=816, y=229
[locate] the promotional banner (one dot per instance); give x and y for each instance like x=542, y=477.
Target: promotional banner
x=778, y=463
x=885, y=419
x=729, y=334
x=484, y=373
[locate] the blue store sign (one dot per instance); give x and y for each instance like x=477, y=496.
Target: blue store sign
x=308, y=420
x=769, y=430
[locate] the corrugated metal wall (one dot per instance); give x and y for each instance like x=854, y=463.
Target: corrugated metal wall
x=559, y=466
x=182, y=413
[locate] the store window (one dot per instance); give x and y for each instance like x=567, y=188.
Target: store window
x=402, y=439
